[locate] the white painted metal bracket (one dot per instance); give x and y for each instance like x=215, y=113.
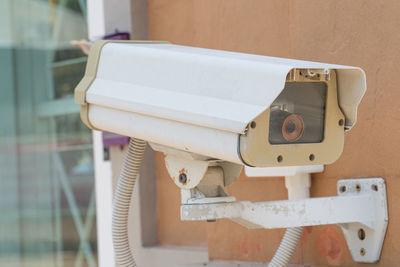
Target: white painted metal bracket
x=361, y=204
x=365, y=243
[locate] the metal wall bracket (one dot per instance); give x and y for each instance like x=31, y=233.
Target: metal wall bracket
x=365, y=243
x=360, y=209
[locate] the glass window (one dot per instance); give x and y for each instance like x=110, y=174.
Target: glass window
x=47, y=207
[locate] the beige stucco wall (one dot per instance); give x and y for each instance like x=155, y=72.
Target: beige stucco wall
x=363, y=33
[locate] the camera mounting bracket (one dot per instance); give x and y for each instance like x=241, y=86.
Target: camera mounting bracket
x=201, y=180
x=360, y=209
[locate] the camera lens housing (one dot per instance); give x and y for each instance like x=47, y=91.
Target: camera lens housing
x=298, y=114
x=301, y=126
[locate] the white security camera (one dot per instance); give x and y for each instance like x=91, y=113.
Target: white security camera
x=247, y=109
x=211, y=112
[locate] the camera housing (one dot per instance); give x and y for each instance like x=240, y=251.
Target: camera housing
x=217, y=105
x=303, y=125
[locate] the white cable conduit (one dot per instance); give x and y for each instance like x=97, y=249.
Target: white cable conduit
x=122, y=201
x=298, y=187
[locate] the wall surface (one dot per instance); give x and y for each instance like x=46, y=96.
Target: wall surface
x=362, y=33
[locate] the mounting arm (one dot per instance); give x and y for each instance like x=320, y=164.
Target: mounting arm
x=360, y=207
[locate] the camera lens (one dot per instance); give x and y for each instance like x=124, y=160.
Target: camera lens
x=293, y=128
x=297, y=115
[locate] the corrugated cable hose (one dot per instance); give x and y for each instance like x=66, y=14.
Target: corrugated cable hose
x=122, y=201
x=287, y=247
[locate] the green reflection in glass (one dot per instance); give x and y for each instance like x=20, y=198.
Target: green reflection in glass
x=47, y=208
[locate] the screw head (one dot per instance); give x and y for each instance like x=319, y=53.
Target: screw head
x=358, y=187
x=342, y=189
x=182, y=178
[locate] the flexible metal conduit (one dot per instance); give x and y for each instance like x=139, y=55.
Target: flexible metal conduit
x=122, y=201
x=298, y=187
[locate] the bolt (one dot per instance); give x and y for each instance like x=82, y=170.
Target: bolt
x=342, y=189
x=182, y=178
x=358, y=187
